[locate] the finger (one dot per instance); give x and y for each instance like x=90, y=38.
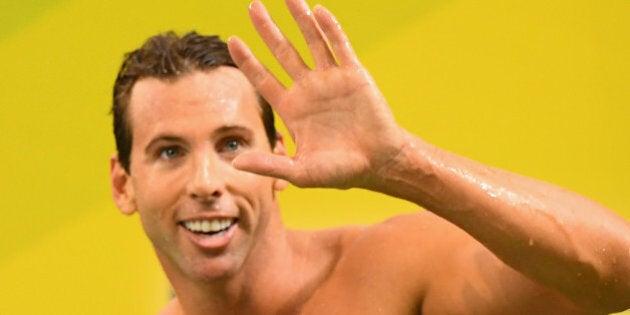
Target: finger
x=266, y=164
x=257, y=74
x=338, y=39
x=312, y=33
x=277, y=43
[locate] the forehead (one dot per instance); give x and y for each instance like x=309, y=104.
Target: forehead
x=199, y=99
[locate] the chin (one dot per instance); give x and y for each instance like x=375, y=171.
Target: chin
x=199, y=269
x=213, y=270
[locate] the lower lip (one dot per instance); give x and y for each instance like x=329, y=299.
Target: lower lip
x=212, y=242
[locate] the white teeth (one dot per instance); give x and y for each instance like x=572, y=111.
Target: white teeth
x=208, y=226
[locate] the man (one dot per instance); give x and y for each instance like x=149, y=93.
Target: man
x=194, y=138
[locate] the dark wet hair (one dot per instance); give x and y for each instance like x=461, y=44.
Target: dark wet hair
x=168, y=56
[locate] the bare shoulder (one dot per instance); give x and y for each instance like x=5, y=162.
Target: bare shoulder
x=384, y=267
x=460, y=275
x=434, y=267
x=418, y=238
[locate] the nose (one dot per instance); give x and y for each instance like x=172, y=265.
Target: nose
x=206, y=181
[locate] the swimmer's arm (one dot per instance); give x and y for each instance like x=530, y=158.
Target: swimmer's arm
x=346, y=136
x=556, y=237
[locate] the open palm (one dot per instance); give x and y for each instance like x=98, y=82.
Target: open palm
x=342, y=126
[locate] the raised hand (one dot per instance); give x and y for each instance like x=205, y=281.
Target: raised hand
x=344, y=131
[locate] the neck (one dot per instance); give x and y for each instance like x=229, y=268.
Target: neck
x=277, y=275
x=246, y=292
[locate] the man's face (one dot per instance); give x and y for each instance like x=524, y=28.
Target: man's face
x=202, y=215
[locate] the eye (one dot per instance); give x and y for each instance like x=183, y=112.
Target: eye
x=169, y=153
x=231, y=144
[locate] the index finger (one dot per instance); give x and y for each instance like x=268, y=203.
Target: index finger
x=258, y=75
x=278, y=44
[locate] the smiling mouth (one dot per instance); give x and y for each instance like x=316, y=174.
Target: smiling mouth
x=212, y=227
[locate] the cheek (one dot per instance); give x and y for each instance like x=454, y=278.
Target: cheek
x=154, y=194
x=252, y=191
x=251, y=183
x=154, y=204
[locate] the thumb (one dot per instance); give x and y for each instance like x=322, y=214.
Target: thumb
x=265, y=164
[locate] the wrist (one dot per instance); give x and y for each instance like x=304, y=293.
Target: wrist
x=411, y=173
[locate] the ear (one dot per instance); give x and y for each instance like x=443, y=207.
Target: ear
x=280, y=149
x=122, y=190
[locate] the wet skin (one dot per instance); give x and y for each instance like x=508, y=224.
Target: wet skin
x=492, y=242
x=185, y=135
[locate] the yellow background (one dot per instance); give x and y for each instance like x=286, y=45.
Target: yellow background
x=538, y=87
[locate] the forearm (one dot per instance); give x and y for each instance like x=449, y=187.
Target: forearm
x=556, y=237
x=345, y=135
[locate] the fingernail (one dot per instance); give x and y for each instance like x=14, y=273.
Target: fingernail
x=253, y=3
x=323, y=10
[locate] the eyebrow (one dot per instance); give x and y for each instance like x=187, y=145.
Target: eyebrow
x=232, y=128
